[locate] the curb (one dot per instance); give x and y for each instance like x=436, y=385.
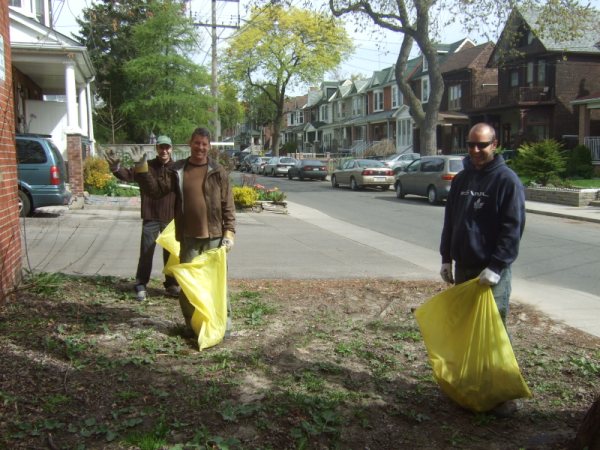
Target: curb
x=563, y=215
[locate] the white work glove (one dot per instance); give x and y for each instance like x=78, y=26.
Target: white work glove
x=489, y=277
x=227, y=243
x=446, y=273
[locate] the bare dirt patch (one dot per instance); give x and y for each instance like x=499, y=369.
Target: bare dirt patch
x=311, y=364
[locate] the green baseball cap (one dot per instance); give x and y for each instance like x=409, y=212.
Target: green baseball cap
x=162, y=140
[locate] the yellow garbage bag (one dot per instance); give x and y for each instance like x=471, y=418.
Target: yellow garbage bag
x=167, y=240
x=204, y=283
x=468, y=347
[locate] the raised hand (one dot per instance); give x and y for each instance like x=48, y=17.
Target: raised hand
x=111, y=158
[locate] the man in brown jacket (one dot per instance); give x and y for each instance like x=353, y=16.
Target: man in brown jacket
x=157, y=213
x=204, y=209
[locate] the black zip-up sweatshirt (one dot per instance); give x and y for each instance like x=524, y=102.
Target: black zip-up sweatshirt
x=484, y=217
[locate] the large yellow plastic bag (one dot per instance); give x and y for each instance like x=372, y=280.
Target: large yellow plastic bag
x=469, y=349
x=204, y=283
x=167, y=240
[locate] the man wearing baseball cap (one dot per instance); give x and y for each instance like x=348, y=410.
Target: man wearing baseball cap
x=156, y=213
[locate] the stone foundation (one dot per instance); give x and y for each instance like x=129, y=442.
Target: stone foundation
x=561, y=196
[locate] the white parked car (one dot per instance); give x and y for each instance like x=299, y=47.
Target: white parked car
x=400, y=160
x=279, y=165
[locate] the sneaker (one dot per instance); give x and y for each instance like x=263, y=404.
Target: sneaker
x=508, y=408
x=173, y=291
x=140, y=293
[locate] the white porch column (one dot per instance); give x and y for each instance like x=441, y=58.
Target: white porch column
x=83, y=122
x=90, y=123
x=71, y=94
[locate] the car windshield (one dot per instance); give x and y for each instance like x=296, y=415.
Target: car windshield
x=391, y=157
x=311, y=162
x=287, y=160
x=370, y=163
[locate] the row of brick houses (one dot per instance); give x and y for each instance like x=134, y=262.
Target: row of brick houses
x=544, y=89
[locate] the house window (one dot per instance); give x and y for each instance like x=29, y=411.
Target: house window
x=378, y=100
x=425, y=64
x=530, y=74
x=529, y=37
x=514, y=78
x=300, y=116
x=454, y=95
x=357, y=105
x=16, y=3
x=395, y=96
x=424, y=89
x=324, y=113
x=405, y=132
x=341, y=111
x=541, y=75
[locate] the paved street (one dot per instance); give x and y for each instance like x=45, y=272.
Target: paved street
x=305, y=243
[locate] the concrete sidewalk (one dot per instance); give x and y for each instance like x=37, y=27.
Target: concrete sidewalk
x=585, y=213
x=307, y=243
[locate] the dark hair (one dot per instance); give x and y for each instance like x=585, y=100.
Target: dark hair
x=201, y=131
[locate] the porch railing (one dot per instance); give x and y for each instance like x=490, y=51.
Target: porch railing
x=593, y=143
x=514, y=96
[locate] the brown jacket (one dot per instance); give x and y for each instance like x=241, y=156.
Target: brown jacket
x=161, y=208
x=217, y=193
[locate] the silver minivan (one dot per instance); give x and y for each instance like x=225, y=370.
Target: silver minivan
x=42, y=173
x=429, y=176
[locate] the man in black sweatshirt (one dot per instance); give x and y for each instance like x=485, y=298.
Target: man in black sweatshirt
x=483, y=223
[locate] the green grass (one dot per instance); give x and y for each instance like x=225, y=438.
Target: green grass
x=593, y=183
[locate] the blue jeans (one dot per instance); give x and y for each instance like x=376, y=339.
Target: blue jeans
x=188, y=250
x=150, y=231
x=501, y=290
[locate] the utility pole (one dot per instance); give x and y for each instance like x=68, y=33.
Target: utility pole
x=214, y=86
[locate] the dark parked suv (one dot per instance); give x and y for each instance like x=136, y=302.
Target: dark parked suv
x=42, y=173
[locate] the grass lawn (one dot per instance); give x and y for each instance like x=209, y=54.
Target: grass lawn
x=311, y=364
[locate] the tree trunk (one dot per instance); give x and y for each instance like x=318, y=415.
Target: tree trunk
x=427, y=136
x=588, y=435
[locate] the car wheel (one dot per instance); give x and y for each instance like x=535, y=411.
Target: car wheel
x=353, y=184
x=432, y=195
x=334, y=182
x=290, y=177
x=399, y=191
x=301, y=177
x=24, y=204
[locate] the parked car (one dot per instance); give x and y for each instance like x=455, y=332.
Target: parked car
x=238, y=157
x=246, y=163
x=42, y=173
x=308, y=168
x=396, y=162
x=358, y=173
x=429, y=176
x=279, y=165
x=258, y=166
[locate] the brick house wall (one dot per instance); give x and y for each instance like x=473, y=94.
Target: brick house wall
x=10, y=234
x=578, y=76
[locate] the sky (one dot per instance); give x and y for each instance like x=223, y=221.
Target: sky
x=374, y=51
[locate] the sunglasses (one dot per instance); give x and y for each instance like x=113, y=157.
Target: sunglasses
x=479, y=145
